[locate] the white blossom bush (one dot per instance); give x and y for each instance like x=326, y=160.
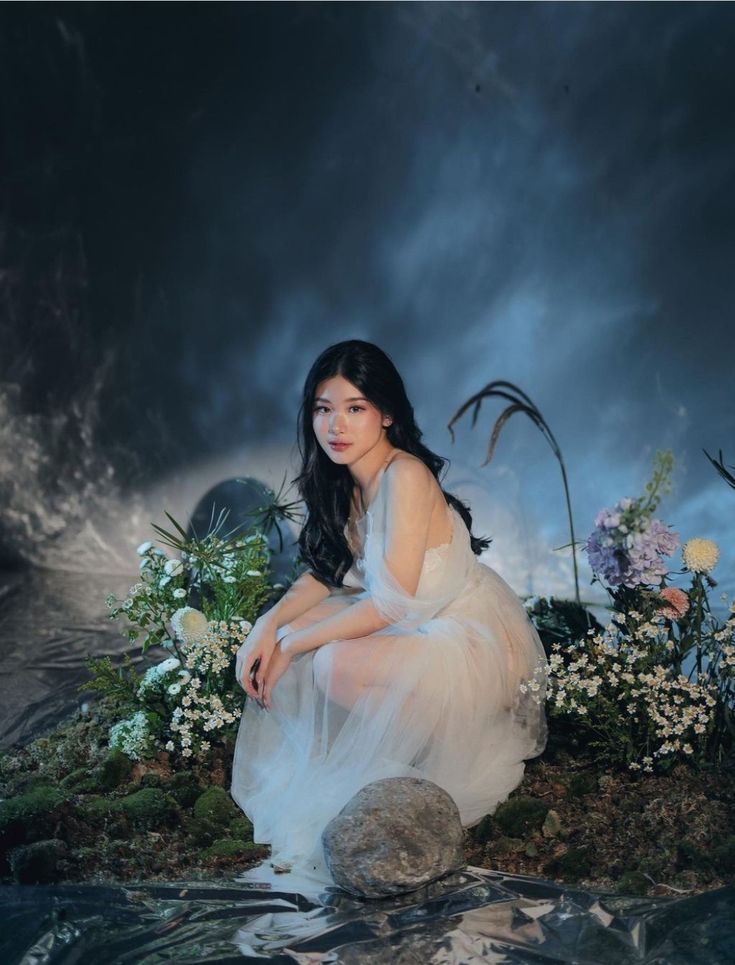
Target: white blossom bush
x=190, y=700
x=205, y=700
x=630, y=706
x=230, y=577
x=657, y=684
x=134, y=736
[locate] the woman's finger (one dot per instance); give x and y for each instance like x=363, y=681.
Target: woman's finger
x=245, y=674
x=240, y=661
x=250, y=677
x=262, y=670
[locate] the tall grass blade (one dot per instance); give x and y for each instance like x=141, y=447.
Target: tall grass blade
x=520, y=402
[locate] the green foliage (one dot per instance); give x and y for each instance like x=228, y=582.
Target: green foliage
x=521, y=814
x=98, y=809
x=227, y=573
x=216, y=805
x=114, y=770
x=229, y=848
x=30, y=816
x=38, y=863
x=150, y=808
x=184, y=788
x=119, y=683
x=659, y=484
x=151, y=779
x=718, y=856
x=483, y=831
x=268, y=516
x=214, y=812
x=78, y=779
x=576, y=863
x=581, y=784
x=203, y=831
x=241, y=828
x=633, y=883
x=559, y=621
x=723, y=855
x=719, y=465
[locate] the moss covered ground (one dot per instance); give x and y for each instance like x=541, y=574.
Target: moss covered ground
x=72, y=809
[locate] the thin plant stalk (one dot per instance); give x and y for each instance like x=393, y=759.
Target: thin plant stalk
x=520, y=402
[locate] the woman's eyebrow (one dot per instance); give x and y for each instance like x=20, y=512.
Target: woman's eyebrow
x=355, y=398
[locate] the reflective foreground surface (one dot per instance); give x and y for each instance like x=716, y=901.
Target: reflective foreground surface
x=470, y=917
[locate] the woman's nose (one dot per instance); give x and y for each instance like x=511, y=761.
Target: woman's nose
x=336, y=422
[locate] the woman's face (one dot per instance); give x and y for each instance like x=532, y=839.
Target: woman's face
x=342, y=414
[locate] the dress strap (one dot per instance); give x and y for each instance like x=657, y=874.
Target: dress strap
x=389, y=460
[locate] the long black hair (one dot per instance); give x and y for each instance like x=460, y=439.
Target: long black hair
x=325, y=487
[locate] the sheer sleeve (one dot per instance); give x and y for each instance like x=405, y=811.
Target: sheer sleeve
x=404, y=611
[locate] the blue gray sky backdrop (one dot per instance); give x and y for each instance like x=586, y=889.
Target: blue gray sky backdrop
x=198, y=198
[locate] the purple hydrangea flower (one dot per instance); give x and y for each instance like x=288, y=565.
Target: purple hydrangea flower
x=627, y=547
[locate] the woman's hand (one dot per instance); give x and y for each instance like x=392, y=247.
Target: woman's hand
x=277, y=666
x=259, y=645
x=295, y=642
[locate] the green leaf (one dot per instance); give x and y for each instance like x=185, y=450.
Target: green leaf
x=178, y=527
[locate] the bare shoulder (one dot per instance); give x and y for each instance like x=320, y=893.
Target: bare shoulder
x=408, y=472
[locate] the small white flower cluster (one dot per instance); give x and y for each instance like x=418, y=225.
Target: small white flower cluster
x=201, y=711
x=728, y=657
x=153, y=677
x=132, y=736
x=536, y=686
x=663, y=709
x=725, y=639
x=156, y=568
x=152, y=596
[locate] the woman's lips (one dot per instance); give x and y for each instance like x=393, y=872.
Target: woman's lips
x=340, y=445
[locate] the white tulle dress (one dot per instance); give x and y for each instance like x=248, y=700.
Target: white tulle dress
x=452, y=691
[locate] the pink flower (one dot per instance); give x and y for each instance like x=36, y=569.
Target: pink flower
x=678, y=603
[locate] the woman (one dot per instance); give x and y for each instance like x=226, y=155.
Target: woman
x=397, y=653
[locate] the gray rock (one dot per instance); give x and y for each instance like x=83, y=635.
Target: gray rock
x=551, y=825
x=394, y=836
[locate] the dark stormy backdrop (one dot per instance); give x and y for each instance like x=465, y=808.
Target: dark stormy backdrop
x=197, y=198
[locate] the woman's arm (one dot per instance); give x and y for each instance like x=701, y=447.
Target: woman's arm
x=302, y=595
x=409, y=498
x=359, y=620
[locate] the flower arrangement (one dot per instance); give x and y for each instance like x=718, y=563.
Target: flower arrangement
x=618, y=685
x=188, y=701
x=657, y=683
x=627, y=546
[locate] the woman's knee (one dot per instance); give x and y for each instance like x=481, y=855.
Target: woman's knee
x=322, y=666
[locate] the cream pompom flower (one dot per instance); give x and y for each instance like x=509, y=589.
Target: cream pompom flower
x=700, y=555
x=189, y=625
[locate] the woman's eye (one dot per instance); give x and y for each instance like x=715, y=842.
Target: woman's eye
x=320, y=408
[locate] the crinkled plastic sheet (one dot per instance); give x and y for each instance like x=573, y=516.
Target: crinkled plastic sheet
x=469, y=917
